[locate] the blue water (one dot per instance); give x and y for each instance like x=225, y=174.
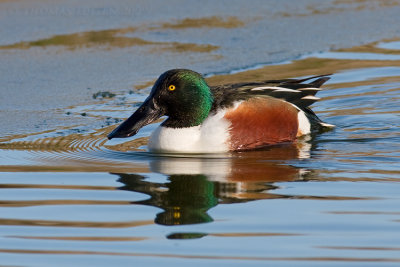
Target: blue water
x=70, y=197
x=332, y=200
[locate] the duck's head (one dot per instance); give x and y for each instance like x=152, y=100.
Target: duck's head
x=181, y=94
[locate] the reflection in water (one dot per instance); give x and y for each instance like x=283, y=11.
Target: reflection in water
x=197, y=184
x=185, y=199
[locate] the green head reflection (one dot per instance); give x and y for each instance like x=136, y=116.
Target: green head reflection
x=185, y=199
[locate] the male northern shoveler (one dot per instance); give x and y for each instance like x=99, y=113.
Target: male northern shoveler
x=232, y=117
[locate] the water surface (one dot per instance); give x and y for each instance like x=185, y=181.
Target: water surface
x=70, y=197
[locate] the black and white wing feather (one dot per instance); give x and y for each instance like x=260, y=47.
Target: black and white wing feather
x=298, y=92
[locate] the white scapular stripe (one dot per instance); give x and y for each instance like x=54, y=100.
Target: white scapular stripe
x=310, y=97
x=274, y=88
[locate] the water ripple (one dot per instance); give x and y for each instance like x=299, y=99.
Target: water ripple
x=71, y=192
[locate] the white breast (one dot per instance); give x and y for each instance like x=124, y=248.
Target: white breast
x=210, y=137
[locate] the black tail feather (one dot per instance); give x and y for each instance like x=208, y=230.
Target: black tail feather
x=323, y=77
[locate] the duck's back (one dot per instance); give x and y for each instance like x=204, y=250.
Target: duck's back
x=269, y=112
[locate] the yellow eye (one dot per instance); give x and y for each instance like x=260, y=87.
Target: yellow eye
x=171, y=87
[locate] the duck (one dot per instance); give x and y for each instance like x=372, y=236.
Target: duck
x=225, y=118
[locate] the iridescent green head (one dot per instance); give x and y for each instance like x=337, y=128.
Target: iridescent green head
x=181, y=94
